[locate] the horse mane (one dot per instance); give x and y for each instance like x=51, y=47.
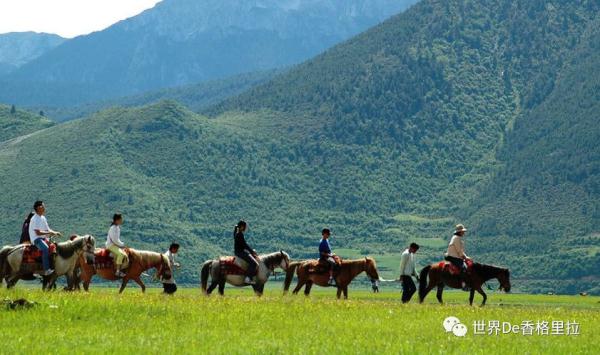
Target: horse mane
x=488, y=271
x=273, y=258
x=67, y=249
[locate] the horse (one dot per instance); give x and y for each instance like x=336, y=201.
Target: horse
x=266, y=266
x=349, y=269
x=67, y=254
x=478, y=274
x=139, y=261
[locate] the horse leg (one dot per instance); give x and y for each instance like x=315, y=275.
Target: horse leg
x=222, y=287
x=308, y=287
x=425, y=292
x=471, y=296
x=86, y=282
x=482, y=293
x=440, y=290
x=258, y=289
x=301, y=283
x=212, y=287
x=11, y=280
x=339, y=293
x=124, y=284
x=49, y=283
x=138, y=281
x=345, y=290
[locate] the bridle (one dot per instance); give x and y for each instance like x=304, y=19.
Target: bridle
x=272, y=266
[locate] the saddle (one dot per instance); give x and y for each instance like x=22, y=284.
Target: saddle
x=321, y=266
x=103, y=259
x=230, y=265
x=453, y=269
x=32, y=255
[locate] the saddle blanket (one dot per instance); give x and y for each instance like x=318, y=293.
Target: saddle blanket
x=103, y=259
x=229, y=267
x=453, y=269
x=321, y=266
x=32, y=255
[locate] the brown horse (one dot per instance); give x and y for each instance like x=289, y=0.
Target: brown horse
x=349, y=269
x=476, y=277
x=139, y=261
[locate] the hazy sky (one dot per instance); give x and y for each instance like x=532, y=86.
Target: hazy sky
x=67, y=18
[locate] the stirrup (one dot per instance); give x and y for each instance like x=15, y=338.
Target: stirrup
x=248, y=280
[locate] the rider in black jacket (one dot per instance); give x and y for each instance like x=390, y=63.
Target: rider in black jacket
x=244, y=251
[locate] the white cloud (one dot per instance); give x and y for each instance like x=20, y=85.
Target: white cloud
x=67, y=18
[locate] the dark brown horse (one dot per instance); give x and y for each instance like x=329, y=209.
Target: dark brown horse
x=138, y=262
x=349, y=269
x=475, y=278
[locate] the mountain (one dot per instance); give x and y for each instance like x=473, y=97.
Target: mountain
x=434, y=117
x=195, y=97
x=546, y=194
x=181, y=42
x=19, y=48
x=444, y=89
x=15, y=123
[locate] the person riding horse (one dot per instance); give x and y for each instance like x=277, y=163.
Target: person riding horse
x=326, y=256
x=115, y=245
x=243, y=251
x=25, y=238
x=456, y=252
x=38, y=230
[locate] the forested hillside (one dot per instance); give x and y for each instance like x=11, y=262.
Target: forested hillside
x=442, y=114
x=545, y=199
x=15, y=122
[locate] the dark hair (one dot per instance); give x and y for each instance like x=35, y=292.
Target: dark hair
x=173, y=246
x=415, y=246
x=37, y=204
x=29, y=216
x=238, y=227
x=116, y=217
x=325, y=231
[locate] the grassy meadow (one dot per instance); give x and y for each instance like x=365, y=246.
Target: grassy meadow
x=104, y=322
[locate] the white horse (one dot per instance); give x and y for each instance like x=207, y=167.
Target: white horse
x=67, y=254
x=266, y=266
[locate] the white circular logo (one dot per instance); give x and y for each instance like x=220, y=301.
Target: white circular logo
x=460, y=330
x=449, y=323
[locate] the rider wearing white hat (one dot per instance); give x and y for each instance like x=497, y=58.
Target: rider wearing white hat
x=456, y=251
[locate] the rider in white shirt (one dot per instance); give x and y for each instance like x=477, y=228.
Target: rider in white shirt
x=115, y=245
x=38, y=230
x=456, y=252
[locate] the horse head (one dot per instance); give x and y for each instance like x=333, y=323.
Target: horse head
x=285, y=260
x=504, y=279
x=89, y=246
x=371, y=269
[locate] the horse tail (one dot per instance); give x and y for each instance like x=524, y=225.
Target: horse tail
x=423, y=281
x=289, y=275
x=4, y=262
x=204, y=275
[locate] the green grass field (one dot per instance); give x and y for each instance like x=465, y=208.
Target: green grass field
x=104, y=322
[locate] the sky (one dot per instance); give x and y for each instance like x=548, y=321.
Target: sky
x=67, y=18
